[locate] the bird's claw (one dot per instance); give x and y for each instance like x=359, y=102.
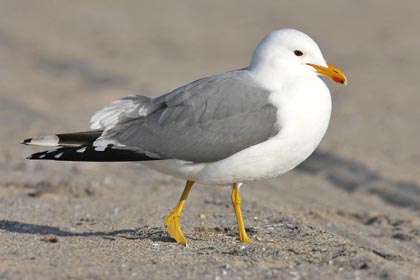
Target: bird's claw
x=173, y=227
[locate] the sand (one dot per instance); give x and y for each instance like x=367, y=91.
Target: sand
x=351, y=211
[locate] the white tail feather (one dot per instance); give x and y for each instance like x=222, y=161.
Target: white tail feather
x=47, y=141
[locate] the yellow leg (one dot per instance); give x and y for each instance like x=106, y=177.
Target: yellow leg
x=172, y=220
x=236, y=202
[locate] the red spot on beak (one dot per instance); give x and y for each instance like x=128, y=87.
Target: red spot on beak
x=338, y=80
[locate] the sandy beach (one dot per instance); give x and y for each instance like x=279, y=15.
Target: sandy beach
x=351, y=211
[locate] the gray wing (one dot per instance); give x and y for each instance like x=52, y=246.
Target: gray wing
x=204, y=121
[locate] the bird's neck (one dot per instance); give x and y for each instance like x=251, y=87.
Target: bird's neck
x=268, y=79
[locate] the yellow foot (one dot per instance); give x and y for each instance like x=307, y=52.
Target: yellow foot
x=173, y=228
x=245, y=239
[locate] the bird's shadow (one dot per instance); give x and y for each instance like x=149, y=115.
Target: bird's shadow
x=143, y=233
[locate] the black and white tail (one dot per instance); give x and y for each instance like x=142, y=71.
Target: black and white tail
x=79, y=146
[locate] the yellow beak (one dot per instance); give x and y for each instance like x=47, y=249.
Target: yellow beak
x=332, y=72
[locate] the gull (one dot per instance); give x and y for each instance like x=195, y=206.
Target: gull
x=239, y=126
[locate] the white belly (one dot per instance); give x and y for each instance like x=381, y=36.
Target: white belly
x=303, y=120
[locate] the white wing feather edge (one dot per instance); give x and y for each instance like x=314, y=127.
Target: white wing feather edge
x=134, y=106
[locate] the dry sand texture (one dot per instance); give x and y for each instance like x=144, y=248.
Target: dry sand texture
x=350, y=212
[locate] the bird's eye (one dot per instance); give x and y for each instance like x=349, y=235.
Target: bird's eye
x=298, y=52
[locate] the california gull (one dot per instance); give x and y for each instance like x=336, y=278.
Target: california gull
x=244, y=125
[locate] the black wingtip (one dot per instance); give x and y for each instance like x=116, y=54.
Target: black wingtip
x=26, y=141
x=29, y=157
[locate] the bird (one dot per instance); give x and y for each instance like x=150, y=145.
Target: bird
x=239, y=126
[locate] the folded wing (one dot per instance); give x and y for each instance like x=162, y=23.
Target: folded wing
x=204, y=121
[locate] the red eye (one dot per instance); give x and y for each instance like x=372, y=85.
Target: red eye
x=298, y=53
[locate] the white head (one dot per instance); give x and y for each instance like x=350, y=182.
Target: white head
x=287, y=53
